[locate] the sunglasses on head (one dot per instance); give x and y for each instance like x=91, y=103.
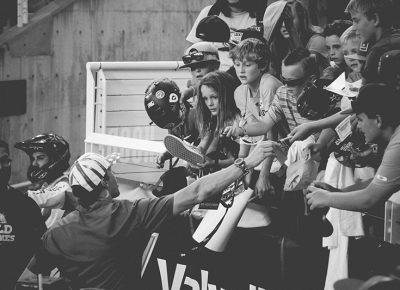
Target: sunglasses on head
x=293, y=82
x=195, y=56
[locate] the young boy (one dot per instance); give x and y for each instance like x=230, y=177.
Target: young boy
x=332, y=33
x=373, y=19
x=254, y=96
x=202, y=58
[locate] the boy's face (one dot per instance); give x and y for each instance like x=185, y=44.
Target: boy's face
x=247, y=71
x=199, y=71
x=351, y=47
x=369, y=127
x=365, y=27
x=294, y=78
x=335, y=49
x=210, y=98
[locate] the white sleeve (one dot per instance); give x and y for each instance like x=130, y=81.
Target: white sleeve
x=52, y=197
x=191, y=37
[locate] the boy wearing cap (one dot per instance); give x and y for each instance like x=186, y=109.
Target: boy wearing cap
x=202, y=58
x=373, y=19
x=101, y=243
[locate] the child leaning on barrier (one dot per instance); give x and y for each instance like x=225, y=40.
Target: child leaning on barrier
x=254, y=97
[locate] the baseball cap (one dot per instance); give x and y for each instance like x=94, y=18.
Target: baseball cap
x=89, y=170
x=361, y=53
x=271, y=17
x=376, y=98
x=213, y=29
x=241, y=34
x=200, y=53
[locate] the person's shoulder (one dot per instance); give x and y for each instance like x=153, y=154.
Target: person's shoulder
x=239, y=90
x=268, y=79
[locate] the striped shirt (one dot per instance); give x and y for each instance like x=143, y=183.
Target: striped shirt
x=284, y=110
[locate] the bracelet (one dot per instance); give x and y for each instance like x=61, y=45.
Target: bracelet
x=244, y=131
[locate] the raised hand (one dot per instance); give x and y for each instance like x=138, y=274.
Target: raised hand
x=263, y=150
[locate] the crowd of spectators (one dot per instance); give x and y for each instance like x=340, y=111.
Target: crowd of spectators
x=305, y=116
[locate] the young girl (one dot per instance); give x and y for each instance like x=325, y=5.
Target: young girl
x=216, y=109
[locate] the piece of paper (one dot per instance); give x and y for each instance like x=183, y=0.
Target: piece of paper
x=343, y=88
x=344, y=129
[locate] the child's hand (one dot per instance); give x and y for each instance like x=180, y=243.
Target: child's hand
x=206, y=164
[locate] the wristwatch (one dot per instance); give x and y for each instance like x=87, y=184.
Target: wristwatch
x=242, y=165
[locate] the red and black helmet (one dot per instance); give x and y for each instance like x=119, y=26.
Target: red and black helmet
x=57, y=150
x=163, y=105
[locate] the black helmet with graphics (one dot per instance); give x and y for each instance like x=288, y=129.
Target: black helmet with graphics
x=57, y=150
x=163, y=103
x=314, y=102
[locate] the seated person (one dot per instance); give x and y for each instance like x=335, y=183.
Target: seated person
x=49, y=155
x=21, y=225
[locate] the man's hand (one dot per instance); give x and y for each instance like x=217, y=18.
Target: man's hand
x=301, y=132
x=263, y=186
x=263, y=150
x=317, y=197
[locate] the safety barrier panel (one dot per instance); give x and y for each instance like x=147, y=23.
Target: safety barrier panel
x=116, y=119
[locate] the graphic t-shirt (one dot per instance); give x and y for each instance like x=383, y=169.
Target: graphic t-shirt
x=21, y=227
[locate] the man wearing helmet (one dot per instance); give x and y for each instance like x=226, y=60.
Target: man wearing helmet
x=100, y=244
x=49, y=156
x=21, y=225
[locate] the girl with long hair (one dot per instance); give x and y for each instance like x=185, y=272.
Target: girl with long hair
x=216, y=109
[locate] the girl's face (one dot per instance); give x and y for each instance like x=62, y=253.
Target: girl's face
x=351, y=47
x=284, y=31
x=210, y=98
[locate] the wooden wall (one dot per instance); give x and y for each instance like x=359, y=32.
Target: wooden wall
x=87, y=30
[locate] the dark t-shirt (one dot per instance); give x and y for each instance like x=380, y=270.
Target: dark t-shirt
x=21, y=227
x=102, y=247
x=390, y=40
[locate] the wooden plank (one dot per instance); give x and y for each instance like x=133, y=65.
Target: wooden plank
x=146, y=74
x=139, y=132
x=125, y=102
x=135, y=86
x=127, y=119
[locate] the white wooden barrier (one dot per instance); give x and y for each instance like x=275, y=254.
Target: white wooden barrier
x=116, y=119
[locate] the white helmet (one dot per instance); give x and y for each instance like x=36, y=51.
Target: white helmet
x=89, y=170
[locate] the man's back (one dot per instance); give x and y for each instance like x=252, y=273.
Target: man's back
x=21, y=226
x=102, y=247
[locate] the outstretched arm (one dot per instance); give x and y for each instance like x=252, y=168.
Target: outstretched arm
x=215, y=183
x=254, y=128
